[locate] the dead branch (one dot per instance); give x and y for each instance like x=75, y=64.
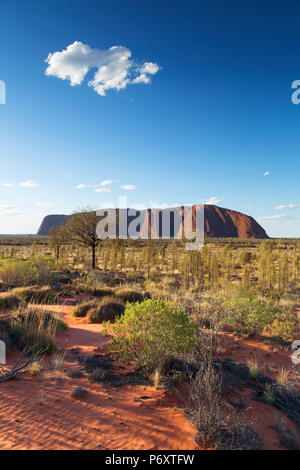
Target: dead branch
x=18, y=367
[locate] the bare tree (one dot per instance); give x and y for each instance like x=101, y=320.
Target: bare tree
x=57, y=237
x=81, y=228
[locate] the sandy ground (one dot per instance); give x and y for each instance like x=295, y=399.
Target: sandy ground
x=40, y=413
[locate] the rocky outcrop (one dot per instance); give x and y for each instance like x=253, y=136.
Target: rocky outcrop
x=219, y=222
x=51, y=221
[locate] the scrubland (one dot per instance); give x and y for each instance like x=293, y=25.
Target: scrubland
x=205, y=336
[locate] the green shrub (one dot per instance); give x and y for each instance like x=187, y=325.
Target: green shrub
x=247, y=316
x=8, y=300
x=106, y=310
x=35, y=295
x=285, y=325
x=150, y=332
x=129, y=295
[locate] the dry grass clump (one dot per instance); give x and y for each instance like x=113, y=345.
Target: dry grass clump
x=282, y=377
x=25, y=273
x=253, y=368
x=35, y=368
x=129, y=295
x=106, y=310
x=32, y=327
x=35, y=294
x=8, y=300
x=206, y=409
x=94, y=290
x=82, y=309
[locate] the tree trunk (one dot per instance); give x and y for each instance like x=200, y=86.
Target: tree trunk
x=94, y=257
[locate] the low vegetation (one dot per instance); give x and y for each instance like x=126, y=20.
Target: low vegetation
x=35, y=295
x=97, y=311
x=164, y=308
x=108, y=309
x=27, y=328
x=151, y=331
x=26, y=273
x=8, y=300
x=129, y=295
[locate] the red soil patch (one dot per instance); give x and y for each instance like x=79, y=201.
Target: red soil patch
x=39, y=413
x=271, y=357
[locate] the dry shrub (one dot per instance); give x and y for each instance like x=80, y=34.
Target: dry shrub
x=106, y=310
x=8, y=300
x=20, y=274
x=82, y=309
x=129, y=295
x=94, y=290
x=32, y=326
x=206, y=409
x=35, y=295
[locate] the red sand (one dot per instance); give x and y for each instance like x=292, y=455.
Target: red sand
x=39, y=413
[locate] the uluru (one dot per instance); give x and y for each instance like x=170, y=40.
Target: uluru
x=219, y=223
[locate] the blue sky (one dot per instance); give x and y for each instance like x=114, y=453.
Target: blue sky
x=215, y=116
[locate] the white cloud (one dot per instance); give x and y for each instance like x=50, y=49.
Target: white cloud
x=115, y=68
x=103, y=183
x=266, y=173
x=213, y=200
x=8, y=185
x=287, y=206
x=106, y=182
x=149, y=68
x=273, y=217
x=29, y=184
x=128, y=187
x=103, y=190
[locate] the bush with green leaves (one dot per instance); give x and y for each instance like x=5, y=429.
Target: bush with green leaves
x=35, y=294
x=285, y=326
x=150, y=332
x=247, y=316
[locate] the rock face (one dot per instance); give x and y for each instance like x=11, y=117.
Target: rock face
x=218, y=222
x=51, y=221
